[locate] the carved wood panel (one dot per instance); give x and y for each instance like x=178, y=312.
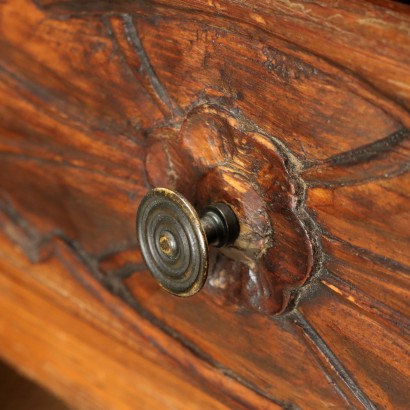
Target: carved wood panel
x=101, y=100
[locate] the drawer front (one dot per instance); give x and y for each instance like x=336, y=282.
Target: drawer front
x=295, y=113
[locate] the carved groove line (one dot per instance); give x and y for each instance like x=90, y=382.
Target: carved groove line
x=331, y=376
x=376, y=258
x=78, y=9
x=363, y=155
x=311, y=333
x=370, y=151
x=358, y=155
x=116, y=286
x=355, y=82
x=133, y=38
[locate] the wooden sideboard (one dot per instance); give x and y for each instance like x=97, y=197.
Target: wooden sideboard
x=296, y=113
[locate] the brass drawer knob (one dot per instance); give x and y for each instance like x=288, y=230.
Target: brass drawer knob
x=174, y=239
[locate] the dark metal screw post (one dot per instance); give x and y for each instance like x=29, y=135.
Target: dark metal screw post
x=220, y=224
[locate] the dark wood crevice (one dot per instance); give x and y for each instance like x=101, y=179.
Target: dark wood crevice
x=322, y=361
x=371, y=151
x=116, y=286
x=377, y=259
x=338, y=367
x=358, y=88
x=152, y=76
x=91, y=87
x=383, y=159
x=74, y=9
x=131, y=32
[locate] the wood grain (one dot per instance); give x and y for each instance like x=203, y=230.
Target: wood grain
x=375, y=357
x=84, y=352
x=378, y=232
x=96, y=103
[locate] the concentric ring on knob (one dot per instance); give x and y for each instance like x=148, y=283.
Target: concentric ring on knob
x=173, y=242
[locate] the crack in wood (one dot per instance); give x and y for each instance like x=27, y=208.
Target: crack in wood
x=368, y=304
x=358, y=179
